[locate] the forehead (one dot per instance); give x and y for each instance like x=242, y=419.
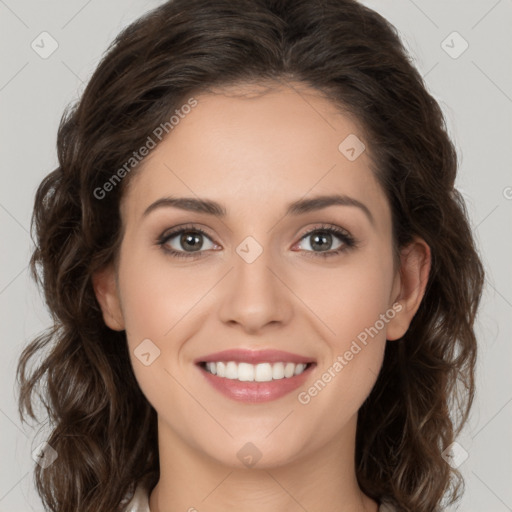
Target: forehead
x=248, y=147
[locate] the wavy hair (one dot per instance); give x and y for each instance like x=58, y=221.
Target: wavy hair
x=102, y=426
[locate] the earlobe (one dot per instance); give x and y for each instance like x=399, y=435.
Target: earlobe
x=415, y=263
x=107, y=295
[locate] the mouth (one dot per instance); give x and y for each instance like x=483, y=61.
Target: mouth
x=247, y=372
x=255, y=376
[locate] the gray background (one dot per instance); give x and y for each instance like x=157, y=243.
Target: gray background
x=474, y=90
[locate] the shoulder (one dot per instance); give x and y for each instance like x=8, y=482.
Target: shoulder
x=138, y=501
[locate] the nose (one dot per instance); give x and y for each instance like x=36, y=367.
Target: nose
x=255, y=295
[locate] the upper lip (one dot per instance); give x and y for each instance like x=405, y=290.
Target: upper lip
x=240, y=355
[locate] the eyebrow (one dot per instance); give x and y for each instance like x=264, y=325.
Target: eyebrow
x=298, y=207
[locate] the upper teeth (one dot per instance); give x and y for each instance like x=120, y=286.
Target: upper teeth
x=262, y=372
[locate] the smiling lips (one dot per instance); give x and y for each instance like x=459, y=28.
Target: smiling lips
x=255, y=376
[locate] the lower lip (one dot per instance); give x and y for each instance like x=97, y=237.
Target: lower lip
x=256, y=392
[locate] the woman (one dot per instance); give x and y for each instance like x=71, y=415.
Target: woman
x=263, y=281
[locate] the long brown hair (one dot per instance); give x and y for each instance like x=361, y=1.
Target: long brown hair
x=102, y=426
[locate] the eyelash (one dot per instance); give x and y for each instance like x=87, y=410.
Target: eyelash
x=348, y=241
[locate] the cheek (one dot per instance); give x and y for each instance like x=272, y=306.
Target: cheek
x=353, y=304
x=158, y=300
x=350, y=298
x=356, y=312
x=161, y=305
x=157, y=309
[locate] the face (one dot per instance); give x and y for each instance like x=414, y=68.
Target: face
x=314, y=280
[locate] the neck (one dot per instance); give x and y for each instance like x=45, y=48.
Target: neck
x=323, y=479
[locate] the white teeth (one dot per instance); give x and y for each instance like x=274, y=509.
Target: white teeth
x=289, y=369
x=278, y=371
x=221, y=369
x=245, y=372
x=262, y=372
x=299, y=368
x=231, y=370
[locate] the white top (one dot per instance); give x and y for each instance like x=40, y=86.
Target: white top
x=140, y=502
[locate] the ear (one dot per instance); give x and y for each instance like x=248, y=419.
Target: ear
x=409, y=286
x=107, y=294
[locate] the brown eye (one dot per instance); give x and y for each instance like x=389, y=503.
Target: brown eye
x=320, y=241
x=185, y=242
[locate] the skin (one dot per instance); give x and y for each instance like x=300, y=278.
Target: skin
x=254, y=154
